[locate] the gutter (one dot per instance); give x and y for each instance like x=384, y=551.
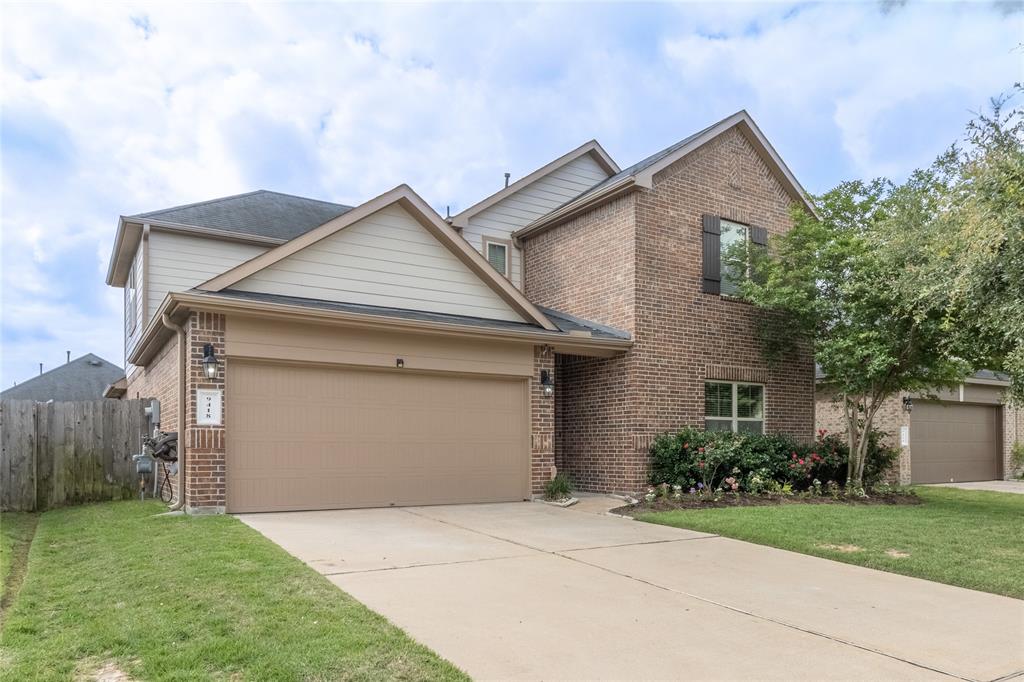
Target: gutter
x=175, y=300
x=182, y=359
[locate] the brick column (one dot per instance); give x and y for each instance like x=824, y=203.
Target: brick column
x=204, y=458
x=542, y=421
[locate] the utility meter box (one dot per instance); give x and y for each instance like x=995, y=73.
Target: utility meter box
x=143, y=463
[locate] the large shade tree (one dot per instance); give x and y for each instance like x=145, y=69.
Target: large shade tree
x=837, y=281
x=975, y=245
x=905, y=287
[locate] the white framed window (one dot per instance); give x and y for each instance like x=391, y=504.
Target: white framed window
x=496, y=251
x=732, y=406
x=733, y=273
x=131, y=300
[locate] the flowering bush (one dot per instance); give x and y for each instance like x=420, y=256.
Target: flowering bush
x=699, y=461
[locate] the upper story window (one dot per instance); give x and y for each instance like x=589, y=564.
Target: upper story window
x=723, y=245
x=497, y=253
x=131, y=300
x=730, y=406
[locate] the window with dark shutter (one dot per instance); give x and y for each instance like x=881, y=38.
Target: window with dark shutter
x=712, y=254
x=724, y=238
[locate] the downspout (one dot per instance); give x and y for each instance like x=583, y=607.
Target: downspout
x=166, y=319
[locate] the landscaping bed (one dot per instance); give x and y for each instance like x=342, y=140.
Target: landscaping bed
x=687, y=501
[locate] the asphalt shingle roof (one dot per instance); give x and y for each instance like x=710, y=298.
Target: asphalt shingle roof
x=563, y=321
x=83, y=378
x=261, y=213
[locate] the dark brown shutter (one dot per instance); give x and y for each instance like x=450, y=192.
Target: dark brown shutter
x=712, y=254
x=759, y=238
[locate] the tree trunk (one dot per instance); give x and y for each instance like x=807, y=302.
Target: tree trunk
x=858, y=433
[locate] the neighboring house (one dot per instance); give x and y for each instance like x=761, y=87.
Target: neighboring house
x=84, y=378
x=378, y=355
x=964, y=434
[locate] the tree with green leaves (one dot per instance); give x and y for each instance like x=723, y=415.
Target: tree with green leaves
x=975, y=245
x=837, y=281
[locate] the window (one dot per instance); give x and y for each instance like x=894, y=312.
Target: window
x=732, y=253
x=727, y=249
x=733, y=407
x=130, y=300
x=496, y=251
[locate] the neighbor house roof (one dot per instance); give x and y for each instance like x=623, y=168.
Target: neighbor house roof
x=593, y=148
x=83, y=378
x=641, y=174
x=981, y=376
x=260, y=217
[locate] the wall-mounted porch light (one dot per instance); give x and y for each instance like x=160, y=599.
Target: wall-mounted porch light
x=547, y=384
x=209, y=361
x=908, y=403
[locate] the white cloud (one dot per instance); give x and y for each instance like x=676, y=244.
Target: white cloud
x=112, y=109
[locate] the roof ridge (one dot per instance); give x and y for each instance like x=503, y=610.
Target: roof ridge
x=149, y=214
x=299, y=196
x=63, y=366
x=152, y=214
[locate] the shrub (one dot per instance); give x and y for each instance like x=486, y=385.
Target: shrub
x=694, y=458
x=558, y=488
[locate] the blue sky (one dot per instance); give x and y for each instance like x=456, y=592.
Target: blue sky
x=111, y=110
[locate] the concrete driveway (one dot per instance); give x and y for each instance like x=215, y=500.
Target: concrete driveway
x=992, y=486
x=530, y=591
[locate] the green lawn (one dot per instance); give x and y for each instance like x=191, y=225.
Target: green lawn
x=186, y=598
x=15, y=532
x=961, y=537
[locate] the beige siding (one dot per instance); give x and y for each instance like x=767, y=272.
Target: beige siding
x=255, y=338
x=537, y=199
x=386, y=259
x=179, y=262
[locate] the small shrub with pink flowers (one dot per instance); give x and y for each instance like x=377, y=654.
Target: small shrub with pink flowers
x=717, y=462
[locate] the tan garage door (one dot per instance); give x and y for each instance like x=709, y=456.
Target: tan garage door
x=301, y=437
x=954, y=442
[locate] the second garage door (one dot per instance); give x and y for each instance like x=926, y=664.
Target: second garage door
x=302, y=437
x=954, y=442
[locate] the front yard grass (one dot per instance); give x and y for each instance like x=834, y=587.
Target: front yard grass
x=112, y=587
x=968, y=538
x=16, y=530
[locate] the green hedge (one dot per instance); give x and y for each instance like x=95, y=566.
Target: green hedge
x=694, y=458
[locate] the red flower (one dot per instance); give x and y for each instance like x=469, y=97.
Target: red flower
x=794, y=455
x=700, y=464
x=801, y=461
x=700, y=450
x=686, y=446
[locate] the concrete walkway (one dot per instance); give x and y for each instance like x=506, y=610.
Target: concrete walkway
x=993, y=486
x=530, y=591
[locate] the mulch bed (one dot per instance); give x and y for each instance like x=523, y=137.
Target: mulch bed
x=695, y=502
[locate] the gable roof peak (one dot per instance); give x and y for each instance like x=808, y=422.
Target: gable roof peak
x=592, y=147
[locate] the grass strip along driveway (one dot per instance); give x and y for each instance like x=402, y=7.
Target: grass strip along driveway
x=112, y=587
x=966, y=538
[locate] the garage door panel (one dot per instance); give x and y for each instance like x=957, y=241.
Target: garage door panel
x=339, y=437
x=954, y=441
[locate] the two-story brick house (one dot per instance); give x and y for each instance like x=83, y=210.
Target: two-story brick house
x=327, y=356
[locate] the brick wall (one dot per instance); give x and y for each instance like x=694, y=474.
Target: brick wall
x=635, y=264
x=889, y=419
x=205, y=488
x=159, y=379
x=1013, y=432
x=542, y=422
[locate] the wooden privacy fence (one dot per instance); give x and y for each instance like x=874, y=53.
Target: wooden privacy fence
x=56, y=454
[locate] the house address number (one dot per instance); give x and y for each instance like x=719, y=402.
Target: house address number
x=209, y=407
